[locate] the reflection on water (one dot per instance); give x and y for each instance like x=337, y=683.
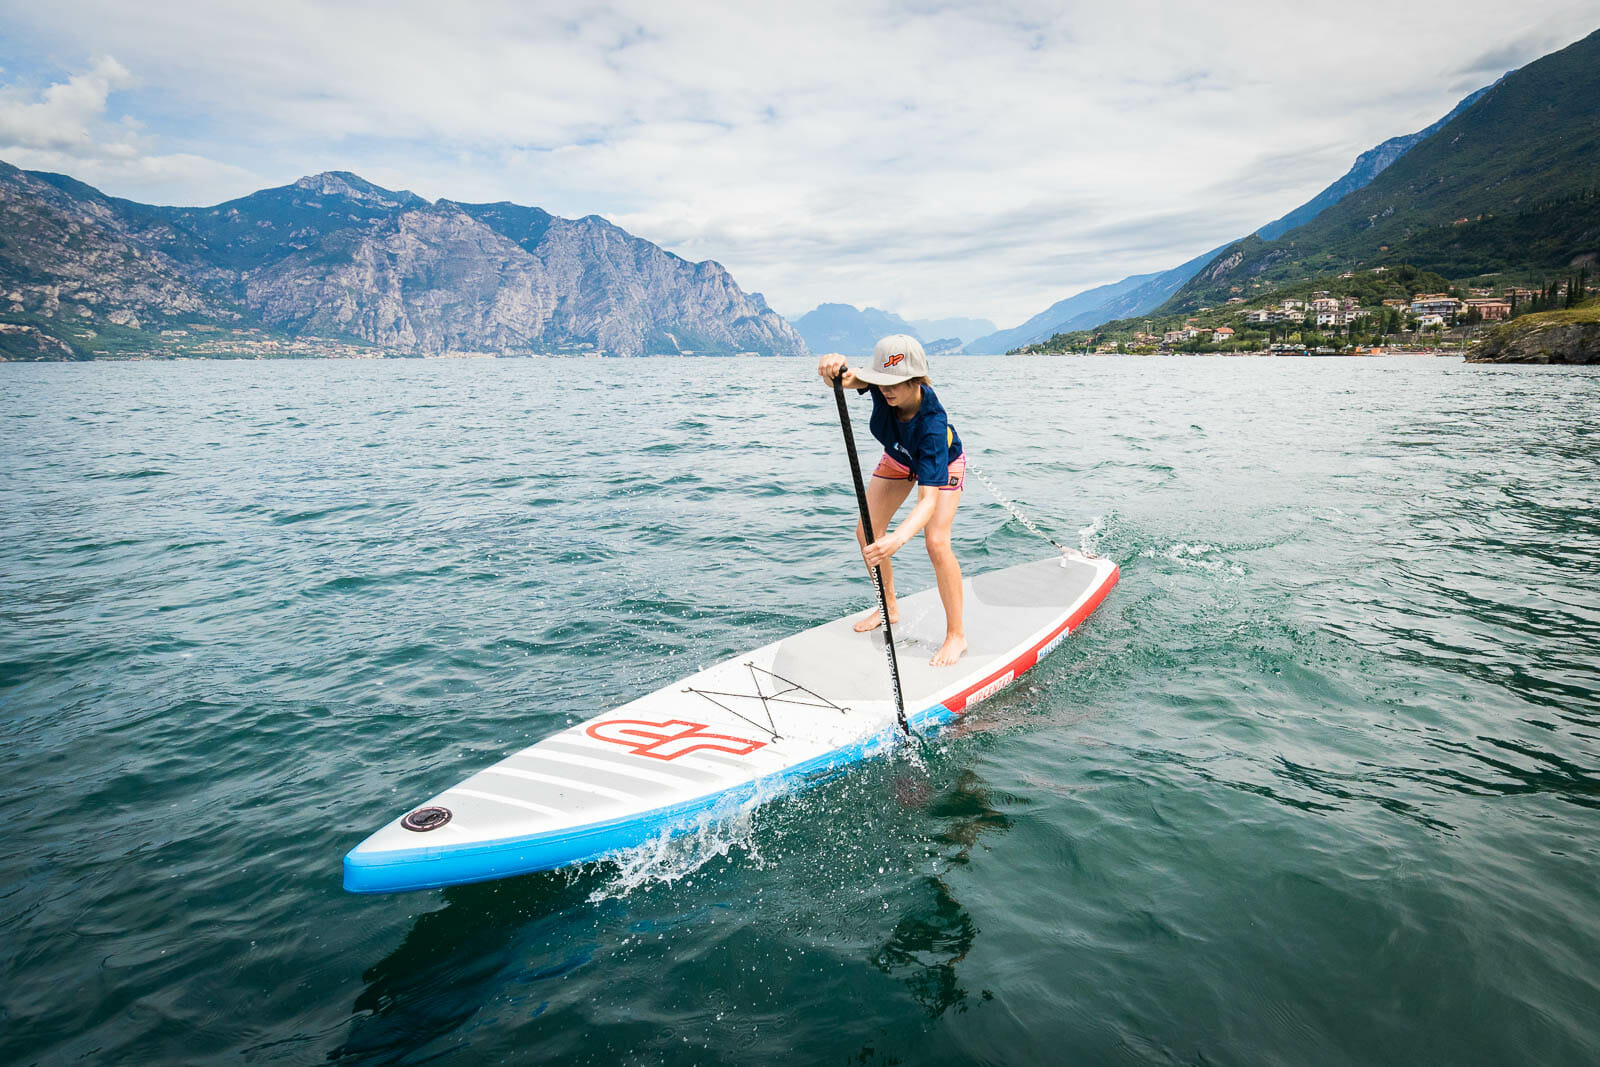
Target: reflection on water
x=455, y=959
x=931, y=937
x=934, y=932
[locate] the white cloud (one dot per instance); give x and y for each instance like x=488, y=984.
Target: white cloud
x=67, y=116
x=66, y=127
x=935, y=159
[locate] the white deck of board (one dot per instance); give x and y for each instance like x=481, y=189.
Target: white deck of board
x=571, y=779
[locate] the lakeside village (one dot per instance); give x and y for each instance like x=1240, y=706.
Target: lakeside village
x=1362, y=313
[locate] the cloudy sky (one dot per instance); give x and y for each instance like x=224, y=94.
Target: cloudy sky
x=935, y=159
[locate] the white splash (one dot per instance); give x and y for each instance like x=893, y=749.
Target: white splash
x=1198, y=554
x=1089, y=536
x=670, y=856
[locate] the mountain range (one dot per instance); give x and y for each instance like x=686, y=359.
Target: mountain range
x=1130, y=296
x=1508, y=184
x=1142, y=293
x=847, y=329
x=963, y=330
x=1368, y=165
x=335, y=256
x=852, y=331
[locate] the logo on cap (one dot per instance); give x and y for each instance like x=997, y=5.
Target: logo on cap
x=894, y=361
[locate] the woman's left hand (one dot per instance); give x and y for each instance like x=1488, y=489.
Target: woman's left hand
x=878, y=553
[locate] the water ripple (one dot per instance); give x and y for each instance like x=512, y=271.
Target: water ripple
x=1323, y=773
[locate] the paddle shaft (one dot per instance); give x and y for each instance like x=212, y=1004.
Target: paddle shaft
x=866, y=528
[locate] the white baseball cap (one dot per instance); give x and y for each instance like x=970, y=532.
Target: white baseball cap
x=896, y=358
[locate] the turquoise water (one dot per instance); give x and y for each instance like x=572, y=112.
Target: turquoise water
x=1319, y=783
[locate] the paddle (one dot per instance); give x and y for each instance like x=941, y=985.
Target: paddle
x=866, y=528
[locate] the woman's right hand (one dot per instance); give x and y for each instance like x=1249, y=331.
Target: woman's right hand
x=831, y=366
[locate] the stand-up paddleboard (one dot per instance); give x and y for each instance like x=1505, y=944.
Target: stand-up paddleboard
x=788, y=711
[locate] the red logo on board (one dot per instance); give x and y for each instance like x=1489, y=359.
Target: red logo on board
x=894, y=361
x=668, y=740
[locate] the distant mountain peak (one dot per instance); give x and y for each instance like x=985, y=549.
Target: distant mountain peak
x=849, y=330
x=852, y=331
x=353, y=187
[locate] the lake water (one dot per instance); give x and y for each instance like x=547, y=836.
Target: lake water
x=1319, y=783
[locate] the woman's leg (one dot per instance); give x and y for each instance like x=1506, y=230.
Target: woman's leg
x=884, y=497
x=948, y=574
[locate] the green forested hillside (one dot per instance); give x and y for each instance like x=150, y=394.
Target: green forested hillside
x=1547, y=235
x=1510, y=184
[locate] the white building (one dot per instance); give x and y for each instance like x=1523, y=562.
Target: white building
x=1441, y=304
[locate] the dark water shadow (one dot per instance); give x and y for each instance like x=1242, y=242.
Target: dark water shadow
x=454, y=960
x=931, y=937
x=934, y=932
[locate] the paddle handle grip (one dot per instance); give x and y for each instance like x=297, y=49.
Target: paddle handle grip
x=866, y=529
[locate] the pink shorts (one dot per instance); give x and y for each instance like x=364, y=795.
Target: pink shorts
x=892, y=469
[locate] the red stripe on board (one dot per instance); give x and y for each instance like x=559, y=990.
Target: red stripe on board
x=1028, y=659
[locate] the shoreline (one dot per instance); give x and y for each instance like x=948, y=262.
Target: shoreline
x=302, y=357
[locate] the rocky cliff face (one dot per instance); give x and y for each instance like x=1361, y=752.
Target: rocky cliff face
x=1548, y=337
x=334, y=255
x=69, y=254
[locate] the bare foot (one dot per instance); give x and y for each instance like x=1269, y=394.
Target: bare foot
x=875, y=620
x=950, y=651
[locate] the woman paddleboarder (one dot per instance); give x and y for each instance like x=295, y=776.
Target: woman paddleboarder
x=919, y=446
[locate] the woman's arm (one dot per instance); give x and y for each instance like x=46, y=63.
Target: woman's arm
x=885, y=546
x=829, y=367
